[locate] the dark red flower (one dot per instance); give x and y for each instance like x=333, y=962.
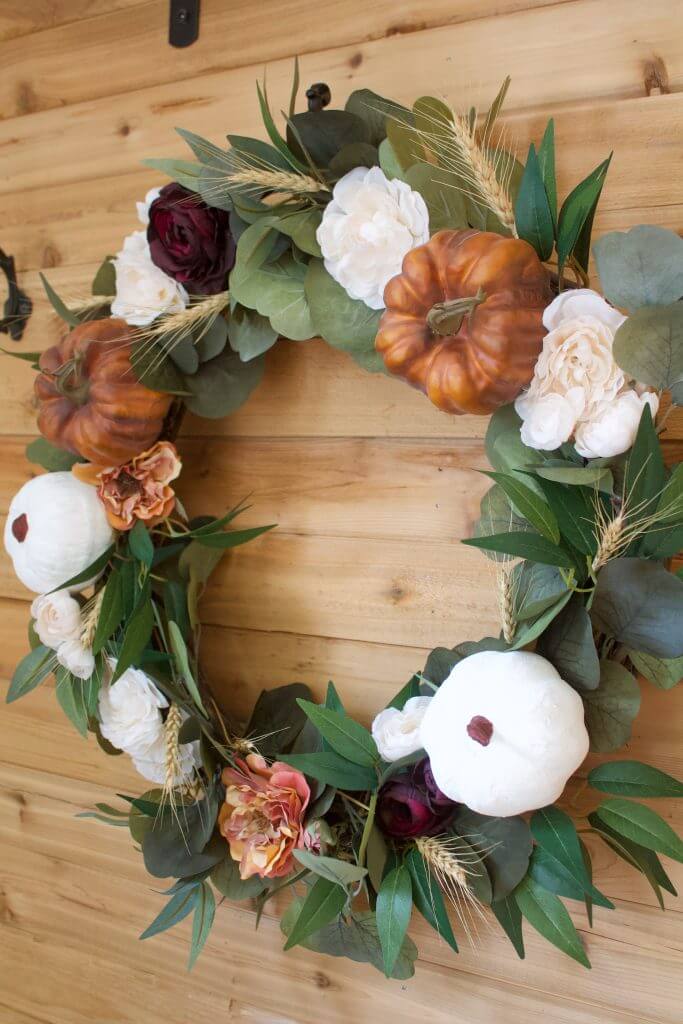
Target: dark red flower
x=411, y=804
x=190, y=241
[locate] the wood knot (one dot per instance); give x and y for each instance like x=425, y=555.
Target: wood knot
x=123, y=129
x=656, y=77
x=321, y=980
x=356, y=60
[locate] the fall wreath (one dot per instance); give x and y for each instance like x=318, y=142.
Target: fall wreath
x=414, y=241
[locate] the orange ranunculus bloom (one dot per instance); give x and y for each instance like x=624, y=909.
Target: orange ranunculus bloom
x=138, y=490
x=262, y=817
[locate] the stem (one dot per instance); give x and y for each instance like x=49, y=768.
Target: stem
x=445, y=318
x=365, y=838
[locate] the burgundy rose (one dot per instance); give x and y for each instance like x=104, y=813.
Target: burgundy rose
x=411, y=804
x=190, y=241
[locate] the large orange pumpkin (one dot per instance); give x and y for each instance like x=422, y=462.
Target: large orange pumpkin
x=90, y=401
x=463, y=319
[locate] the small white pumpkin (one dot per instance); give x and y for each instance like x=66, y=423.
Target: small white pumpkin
x=56, y=527
x=504, y=732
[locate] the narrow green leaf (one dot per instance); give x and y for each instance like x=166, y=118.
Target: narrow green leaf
x=633, y=778
x=533, y=217
x=181, y=656
x=528, y=503
x=204, y=911
x=60, y=308
x=548, y=915
x=232, y=538
x=93, y=570
x=71, y=700
x=324, y=903
x=333, y=770
x=140, y=544
x=641, y=825
x=137, y=633
x=525, y=545
x=577, y=208
x=510, y=919
x=532, y=630
x=346, y=737
x=393, y=910
x=111, y=611
x=341, y=872
x=33, y=668
x=178, y=907
x=428, y=897
x=556, y=834
x=546, y=160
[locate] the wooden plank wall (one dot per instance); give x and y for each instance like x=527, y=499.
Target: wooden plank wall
x=372, y=489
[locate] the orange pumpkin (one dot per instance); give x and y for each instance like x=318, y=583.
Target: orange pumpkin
x=90, y=401
x=463, y=319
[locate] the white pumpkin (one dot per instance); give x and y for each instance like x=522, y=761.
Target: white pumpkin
x=504, y=732
x=56, y=527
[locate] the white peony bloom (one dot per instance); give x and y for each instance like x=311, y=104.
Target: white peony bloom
x=57, y=617
x=76, y=659
x=549, y=420
x=578, y=390
x=130, y=718
x=143, y=291
x=143, y=207
x=397, y=733
x=130, y=712
x=152, y=764
x=612, y=428
x=367, y=229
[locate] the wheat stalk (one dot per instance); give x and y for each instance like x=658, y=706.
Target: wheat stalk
x=455, y=144
x=257, y=179
x=90, y=618
x=506, y=602
x=448, y=858
x=87, y=305
x=172, y=762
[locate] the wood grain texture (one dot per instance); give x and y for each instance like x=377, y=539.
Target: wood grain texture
x=372, y=489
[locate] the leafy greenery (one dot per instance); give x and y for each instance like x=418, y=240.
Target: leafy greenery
x=640, y=267
x=640, y=604
x=394, y=907
x=649, y=347
x=547, y=914
x=611, y=708
x=344, y=323
x=632, y=778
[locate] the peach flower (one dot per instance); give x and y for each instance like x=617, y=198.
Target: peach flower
x=138, y=490
x=262, y=817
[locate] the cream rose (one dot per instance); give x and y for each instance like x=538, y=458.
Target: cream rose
x=397, y=733
x=143, y=291
x=367, y=229
x=76, y=659
x=130, y=712
x=143, y=207
x=57, y=617
x=152, y=764
x=612, y=428
x=578, y=390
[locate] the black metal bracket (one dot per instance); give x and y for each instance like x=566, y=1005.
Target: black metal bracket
x=18, y=306
x=183, y=22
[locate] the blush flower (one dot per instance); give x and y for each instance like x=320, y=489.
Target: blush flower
x=138, y=490
x=262, y=817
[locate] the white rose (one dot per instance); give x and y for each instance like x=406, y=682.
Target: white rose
x=549, y=419
x=143, y=291
x=143, y=207
x=57, y=618
x=130, y=712
x=612, y=428
x=152, y=764
x=367, y=229
x=397, y=733
x=576, y=302
x=76, y=659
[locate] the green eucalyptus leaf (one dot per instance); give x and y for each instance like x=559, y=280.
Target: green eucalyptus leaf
x=354, y=154
x=504, y=843
x=611, y=708
x=568, y=644
x=301, y=226
x=222, y=385
x=640, y=604
x=388, y=161
x=276, y=290
x=322, y=133
x=649, y=346
x=49, y=456
x=185, y=172
x=536, y=587
x=250, y=333
x=445, y=201
x=210, y=339
x=343, y=322
x=664, y=673
x=374, y=111
x=225, y=876
x=640, y=267
x=277, y=719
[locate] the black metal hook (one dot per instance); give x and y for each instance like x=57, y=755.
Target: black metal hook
x=18, y=306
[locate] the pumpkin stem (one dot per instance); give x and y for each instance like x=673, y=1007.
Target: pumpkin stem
x=71, y=383
x=481, y=730
x=446, y=317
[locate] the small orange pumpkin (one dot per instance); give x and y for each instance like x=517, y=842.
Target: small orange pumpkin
x=463, y=319
x=90, y=401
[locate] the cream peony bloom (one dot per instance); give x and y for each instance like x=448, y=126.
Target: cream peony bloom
x=57, y=617
x=143, y=207
x=76, y=659
x=143, y=291
x=367, y=229
x=397, y=733
x=578, y=390
x=612, y=428
x=130, y=718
